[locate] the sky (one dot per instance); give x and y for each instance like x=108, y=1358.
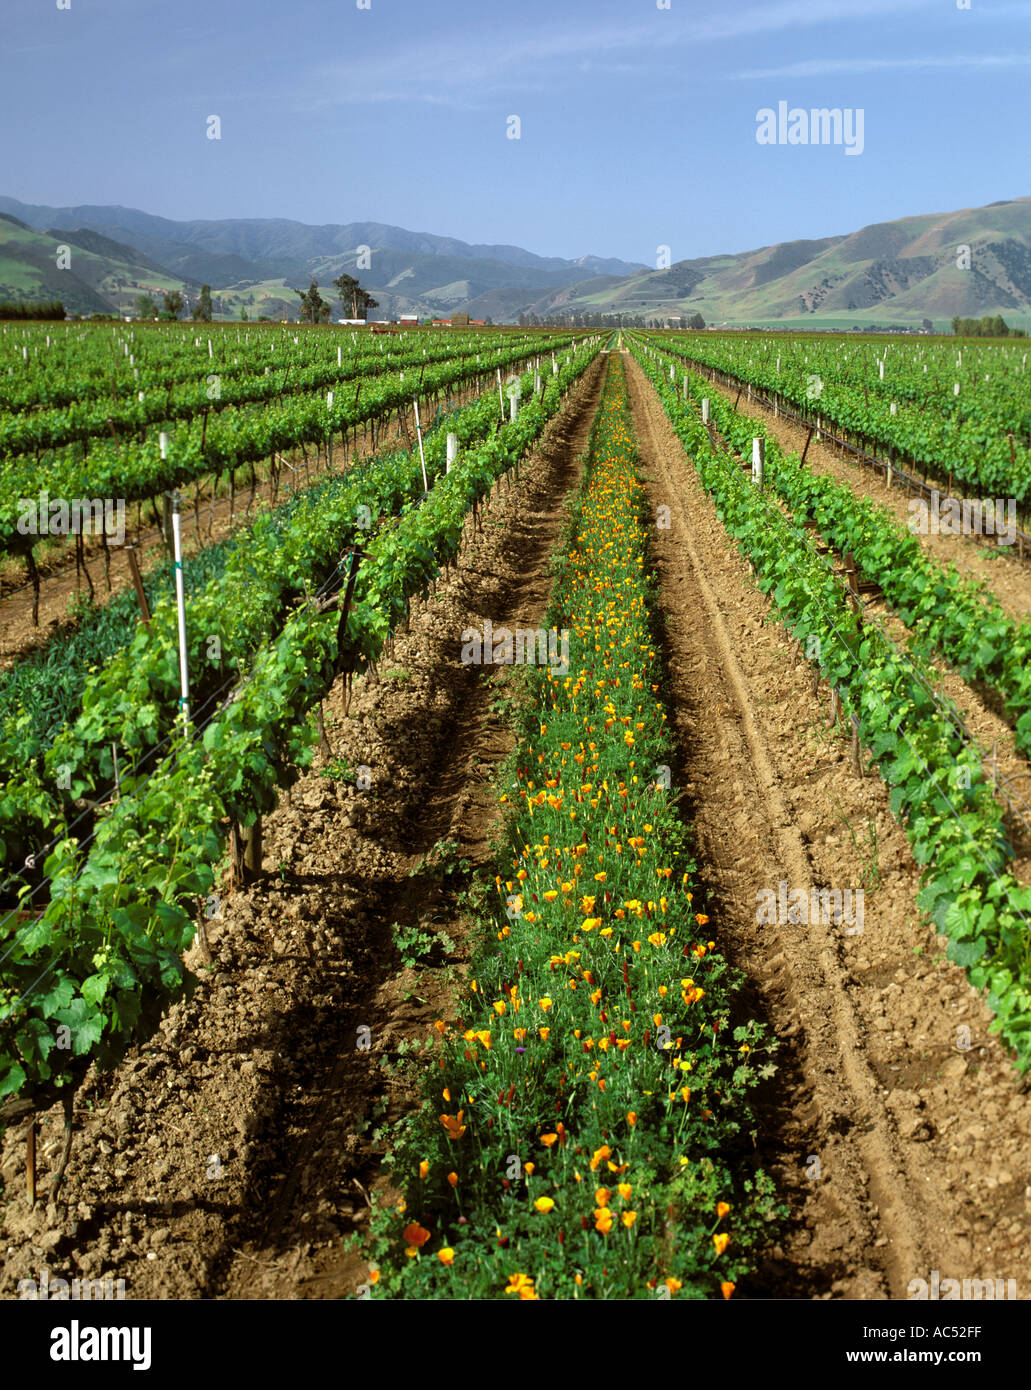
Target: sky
x=637, y=119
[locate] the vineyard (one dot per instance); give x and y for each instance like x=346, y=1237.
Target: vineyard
x=500, y=813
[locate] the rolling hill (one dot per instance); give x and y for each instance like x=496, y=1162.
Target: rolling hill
x=90, y=273
x=898, y=272
x=256, y=261
x=889, y=273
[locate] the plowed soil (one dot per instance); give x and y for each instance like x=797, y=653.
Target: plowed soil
x=998, y=566
x=215, y=518
x=901, y=1149
x=233, y=1154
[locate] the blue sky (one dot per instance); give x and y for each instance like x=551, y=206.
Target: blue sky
x=638, y=124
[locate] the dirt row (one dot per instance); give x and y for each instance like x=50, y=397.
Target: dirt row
x=900, y=1140
x=234, y=1154
x=983, y=713
x=996, y=566
x=215, y=517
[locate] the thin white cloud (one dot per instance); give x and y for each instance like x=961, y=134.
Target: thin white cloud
x=466, y=70
x=829, y=67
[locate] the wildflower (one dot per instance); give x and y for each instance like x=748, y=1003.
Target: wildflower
x=727, y=1288
x=548, y=1139
x=424, y=1168
x=445, y=1255
x=603, y=1220
x=544, y=1204
x=545, y=1004
x=628, y=1218
x=602, y=1196
x=517, y=1282
x=721, y=1209
x=631, y=1118
x=453, y=1179
x=415, y=1234
x=674, y=1285
x=453, y=1124
x=721, y=1242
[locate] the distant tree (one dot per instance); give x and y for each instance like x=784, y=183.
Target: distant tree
x=986, y=327
x=243, y=315
x=174, y=305
x=145, y=307
x=927, y=325
x=28, y=309
x=353, y=299
x=314, y=309
x=202, y=309
x=696, y=321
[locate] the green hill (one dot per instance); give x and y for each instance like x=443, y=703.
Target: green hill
x=888, y=273
x=88, y=272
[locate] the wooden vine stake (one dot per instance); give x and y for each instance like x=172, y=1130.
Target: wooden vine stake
x=68, y=1105
x=320, y=722
x=30, y=1160
x=245, y=842
x=857, y=765
x=809, y=440
x=853, y=586
x=30, y=563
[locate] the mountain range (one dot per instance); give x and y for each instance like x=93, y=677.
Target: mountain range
x=969, y=263
x=931, y=267
x=255, y=262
